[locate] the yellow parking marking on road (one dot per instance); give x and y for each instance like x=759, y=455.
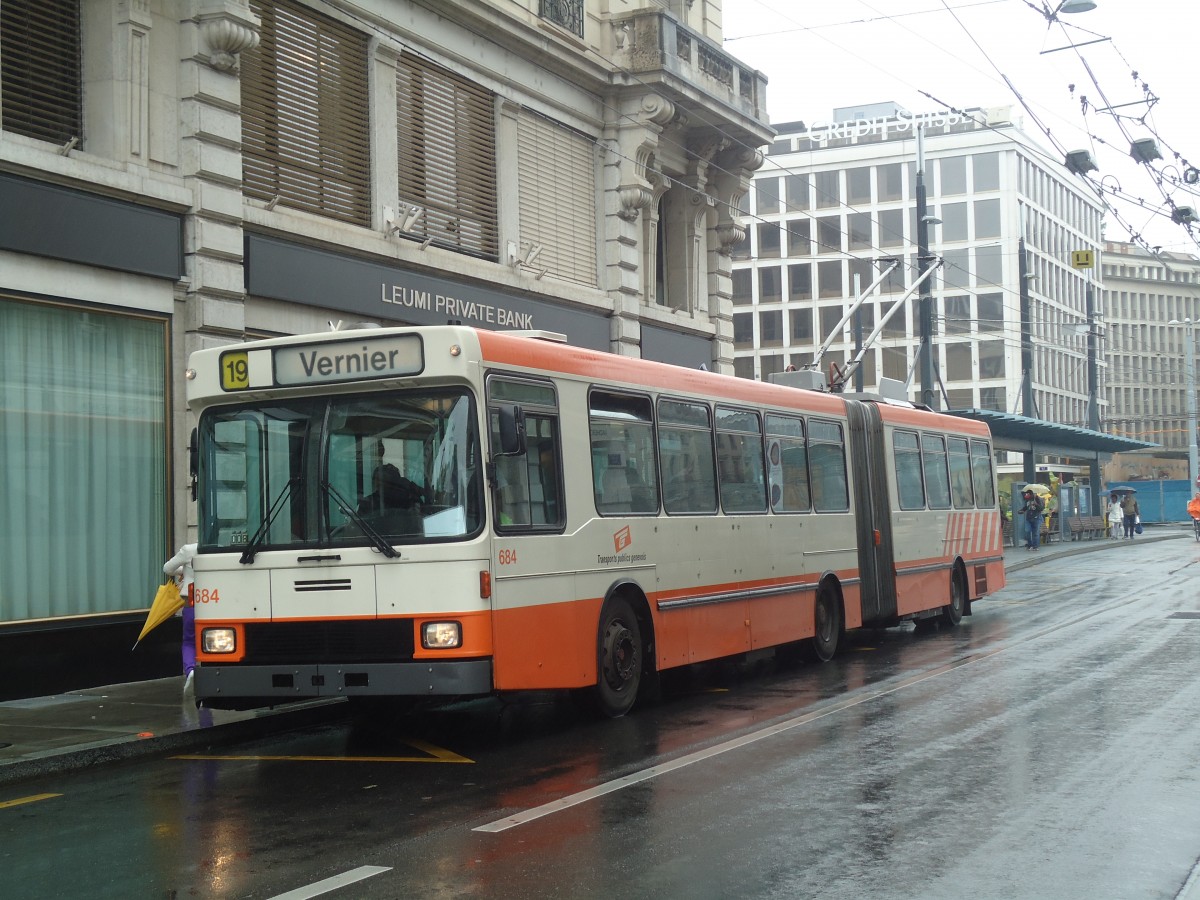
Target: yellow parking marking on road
x=435, y=755
x=32, y=798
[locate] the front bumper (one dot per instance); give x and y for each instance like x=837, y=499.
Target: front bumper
x=281, y=683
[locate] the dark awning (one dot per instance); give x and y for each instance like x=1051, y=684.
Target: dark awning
x=1022, y=434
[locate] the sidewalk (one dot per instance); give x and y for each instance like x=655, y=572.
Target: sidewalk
x=75, y=730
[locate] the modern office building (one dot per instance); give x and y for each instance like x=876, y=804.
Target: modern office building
x=833, y=201
x=179, y=174
x=1149, y=359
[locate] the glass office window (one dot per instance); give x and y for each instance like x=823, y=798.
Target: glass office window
x=889, y=182
x=891, y=227
x=952, y=175
x=800, y=281
x=770, y=287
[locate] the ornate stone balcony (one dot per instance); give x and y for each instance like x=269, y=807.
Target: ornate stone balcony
x=694, y=70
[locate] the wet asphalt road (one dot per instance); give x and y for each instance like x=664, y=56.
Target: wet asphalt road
x=1048, y=747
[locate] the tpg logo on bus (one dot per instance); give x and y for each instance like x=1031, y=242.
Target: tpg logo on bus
x=349, y=360
x=622, y=539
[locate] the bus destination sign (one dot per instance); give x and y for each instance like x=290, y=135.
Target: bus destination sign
x=349, y=360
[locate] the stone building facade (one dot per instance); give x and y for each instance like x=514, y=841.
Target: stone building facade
x=179, y=174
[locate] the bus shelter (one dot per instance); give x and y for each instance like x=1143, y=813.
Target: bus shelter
x=1035, y=438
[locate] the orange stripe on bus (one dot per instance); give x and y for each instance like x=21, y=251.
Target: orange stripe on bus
x=596, y=365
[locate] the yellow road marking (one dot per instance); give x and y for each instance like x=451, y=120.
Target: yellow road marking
x=435, y=755
x=33, y=798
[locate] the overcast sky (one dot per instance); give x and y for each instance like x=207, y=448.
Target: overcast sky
x=823, y=54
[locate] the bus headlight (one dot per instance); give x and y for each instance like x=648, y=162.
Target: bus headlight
x=441, y=635
x=218, y=640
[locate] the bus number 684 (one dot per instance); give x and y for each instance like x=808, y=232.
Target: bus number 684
x=508, y=557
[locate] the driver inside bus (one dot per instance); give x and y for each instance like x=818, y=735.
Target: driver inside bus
x=390, y=490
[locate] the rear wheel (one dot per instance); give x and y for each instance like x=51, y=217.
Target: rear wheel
x=953, y=612
x=618, y=658
x=827, y=620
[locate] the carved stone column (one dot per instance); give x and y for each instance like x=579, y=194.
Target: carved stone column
x=632, y=186
x=730, y=179
x=212, y=38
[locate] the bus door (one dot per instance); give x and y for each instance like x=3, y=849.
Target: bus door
x=872, y=512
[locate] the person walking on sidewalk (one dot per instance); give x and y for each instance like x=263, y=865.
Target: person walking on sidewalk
x=179, y=567
x=1129, y=509
x=1032, y=508
x=1116, y=518
x=1194, y=511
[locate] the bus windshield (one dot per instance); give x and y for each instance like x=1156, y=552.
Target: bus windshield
x=340, y=471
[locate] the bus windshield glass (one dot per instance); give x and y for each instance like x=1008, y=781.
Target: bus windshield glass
x=340, y=472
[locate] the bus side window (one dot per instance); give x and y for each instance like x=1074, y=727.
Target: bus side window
x=528, y=491
x=787, y=464
x=937, y=478
x=686, y=460
x=960, y=474
x=910, y=483
x=624, y=477
x=827, y=461
x=981, y=475
x=740, y=461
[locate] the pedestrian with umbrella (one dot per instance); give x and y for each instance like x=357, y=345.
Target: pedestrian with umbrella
x=1032, y=508
x=179, y=567
x=1130, y=512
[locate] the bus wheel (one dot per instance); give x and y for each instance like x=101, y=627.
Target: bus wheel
x=618, y=658
x=953, y=613
x=828, y=625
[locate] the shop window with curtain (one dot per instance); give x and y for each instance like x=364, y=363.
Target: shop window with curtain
x=447, y=148
x=306, y=140
x=40, y=82
x=83, y=487
x=556, y=173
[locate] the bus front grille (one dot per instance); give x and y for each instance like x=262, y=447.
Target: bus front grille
x=370, y=641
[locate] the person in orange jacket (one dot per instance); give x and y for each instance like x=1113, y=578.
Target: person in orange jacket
x=1194, y=512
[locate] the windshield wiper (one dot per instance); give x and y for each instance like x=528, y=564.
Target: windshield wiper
x=260, y=536
x=352, y=514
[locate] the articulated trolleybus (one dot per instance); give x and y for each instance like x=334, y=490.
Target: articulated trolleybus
x=445, y=511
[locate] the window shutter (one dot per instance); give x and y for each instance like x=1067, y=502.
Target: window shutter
x=446, y=128
x=305, y=120
x=557, y=183
x=40, y=69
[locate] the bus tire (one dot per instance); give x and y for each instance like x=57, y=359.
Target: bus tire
x=952, y=613
x=827, y=624
x=618, y=658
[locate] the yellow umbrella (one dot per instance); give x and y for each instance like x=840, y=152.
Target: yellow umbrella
x=166, y=603
x=1037, y=488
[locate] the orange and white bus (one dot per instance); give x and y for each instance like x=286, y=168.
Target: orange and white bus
x=445, y=511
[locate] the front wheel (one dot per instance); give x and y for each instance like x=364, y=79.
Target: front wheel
x=618, y=658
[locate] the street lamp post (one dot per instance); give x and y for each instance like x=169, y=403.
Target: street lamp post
x=925, y=297
x=1024, y=275
x=1189, y=359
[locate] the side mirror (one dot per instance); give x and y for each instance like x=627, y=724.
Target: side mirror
x=194, y=464
x=512, y=430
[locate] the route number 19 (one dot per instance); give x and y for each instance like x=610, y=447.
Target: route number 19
x=235, y=371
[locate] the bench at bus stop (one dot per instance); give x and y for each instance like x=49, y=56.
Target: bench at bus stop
x=1087, y=526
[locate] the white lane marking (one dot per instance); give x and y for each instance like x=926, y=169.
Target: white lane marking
x=317, y=888
x=609, y=787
